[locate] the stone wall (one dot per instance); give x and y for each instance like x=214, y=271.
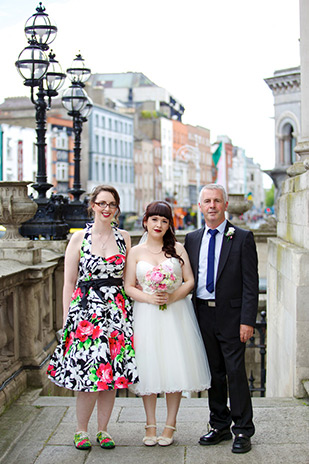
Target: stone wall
x=30, y=311
x=288, y=292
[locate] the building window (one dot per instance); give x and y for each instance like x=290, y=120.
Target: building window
x=97, y=120
x=110, y=123
x=103, y=122
x=97, y=143
x=110, y=146
x=116, y=147
x=9, y=144
x=116, y=172
x=96, y=170
x=62, y=172
x=116, y=126
x=103, y=171
x=103, y=144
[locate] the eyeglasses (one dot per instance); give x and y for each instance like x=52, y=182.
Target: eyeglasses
x=104, y=205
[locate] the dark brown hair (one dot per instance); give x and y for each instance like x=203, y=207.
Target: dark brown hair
x=162, y=208
x=105, y=188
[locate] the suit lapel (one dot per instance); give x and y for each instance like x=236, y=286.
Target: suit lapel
x=225, y=250
x=196, y=250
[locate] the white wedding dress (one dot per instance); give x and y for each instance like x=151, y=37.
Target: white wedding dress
x=169, y=349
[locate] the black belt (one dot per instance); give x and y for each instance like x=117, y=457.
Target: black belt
x=96, y=284
x=209, y=303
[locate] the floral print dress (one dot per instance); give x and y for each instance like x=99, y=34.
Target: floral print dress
x=96, y=351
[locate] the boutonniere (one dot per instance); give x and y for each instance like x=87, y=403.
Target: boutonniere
x=229, y=233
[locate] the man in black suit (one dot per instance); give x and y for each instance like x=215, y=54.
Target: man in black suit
x=225, y=299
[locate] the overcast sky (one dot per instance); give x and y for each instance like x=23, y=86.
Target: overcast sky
x=212, y=55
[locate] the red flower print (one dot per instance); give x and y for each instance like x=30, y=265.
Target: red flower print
x=102, y=385
x=93, y=316
x=117, y=259
x=132, y=341
x=121, y=382
x=51, y=370
x=114, y=333
x=114, y=347
x=121, y=339
x=77, y=293
x=96, y=332
x=105, y=372
x=84, y=330
x=68, y=342
x=120, y=302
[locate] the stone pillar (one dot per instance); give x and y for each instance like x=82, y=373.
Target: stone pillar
x=302, y=148
x=288, y=261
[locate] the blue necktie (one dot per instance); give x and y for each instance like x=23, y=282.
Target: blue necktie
x=210, y=284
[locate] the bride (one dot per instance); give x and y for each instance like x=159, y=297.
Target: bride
x=169, y=350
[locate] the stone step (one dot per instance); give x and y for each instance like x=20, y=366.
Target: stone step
x=38, y=429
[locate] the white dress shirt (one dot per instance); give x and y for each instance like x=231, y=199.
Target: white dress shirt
x=202, y=292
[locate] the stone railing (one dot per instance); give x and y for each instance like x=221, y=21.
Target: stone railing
x=31, y=313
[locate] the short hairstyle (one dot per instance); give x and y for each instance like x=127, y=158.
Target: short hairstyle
x=214, y=187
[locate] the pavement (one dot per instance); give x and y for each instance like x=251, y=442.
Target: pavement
x=39, y=429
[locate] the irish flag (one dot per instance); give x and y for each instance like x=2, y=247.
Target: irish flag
x=219, y=159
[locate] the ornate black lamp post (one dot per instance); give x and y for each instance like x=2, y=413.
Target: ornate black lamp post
x=79, y=106
x=43, y=72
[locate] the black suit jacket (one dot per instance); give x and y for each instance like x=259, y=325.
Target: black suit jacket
x=237, y=283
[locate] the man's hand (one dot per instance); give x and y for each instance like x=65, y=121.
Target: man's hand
x=246, y=332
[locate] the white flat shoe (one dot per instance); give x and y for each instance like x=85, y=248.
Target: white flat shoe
x=150, y=441
x=165, y=441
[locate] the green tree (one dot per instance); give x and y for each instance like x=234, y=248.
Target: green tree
x=270, y=196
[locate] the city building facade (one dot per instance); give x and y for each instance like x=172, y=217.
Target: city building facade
x=286, y=89
x=110, y=154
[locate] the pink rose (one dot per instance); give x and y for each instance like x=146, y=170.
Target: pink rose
x=157, y=276
x=121, y=382
x=84, y=330
x=105, y=372
x=114, y=347
x=102, y=385
x=96, y=332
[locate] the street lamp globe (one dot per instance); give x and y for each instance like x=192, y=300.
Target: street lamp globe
x=32, y=64
x=78, y=72
x=54, y=78
x=74, y=99
x=39, y=27
x=86, y=111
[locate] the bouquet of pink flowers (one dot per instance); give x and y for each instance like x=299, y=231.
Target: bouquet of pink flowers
x=160, y=278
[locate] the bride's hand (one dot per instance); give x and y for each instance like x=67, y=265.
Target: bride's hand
x=159, y=298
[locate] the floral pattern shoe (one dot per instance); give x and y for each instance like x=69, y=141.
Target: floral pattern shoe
x=105, y=440
x=81, y=441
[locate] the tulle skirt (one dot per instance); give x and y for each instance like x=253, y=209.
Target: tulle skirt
x=169, y=349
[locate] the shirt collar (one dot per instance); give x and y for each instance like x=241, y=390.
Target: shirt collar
x=220, y=228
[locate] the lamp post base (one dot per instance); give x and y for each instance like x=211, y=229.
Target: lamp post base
x=76, y=214
x=48, y=222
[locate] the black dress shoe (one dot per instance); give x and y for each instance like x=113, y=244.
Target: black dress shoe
x=242, y=444
x=215, y=436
